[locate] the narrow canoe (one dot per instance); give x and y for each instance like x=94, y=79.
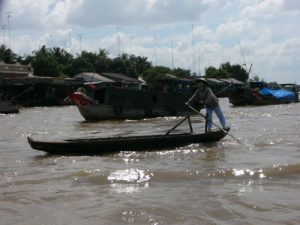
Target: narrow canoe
x=98, y=146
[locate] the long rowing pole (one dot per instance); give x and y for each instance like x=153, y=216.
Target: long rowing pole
x=195, y=110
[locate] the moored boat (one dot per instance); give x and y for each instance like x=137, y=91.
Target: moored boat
x=263, y=96
x=120, y=103
x=99, y=146
x=7, y=107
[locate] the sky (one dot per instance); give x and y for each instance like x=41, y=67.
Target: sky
x=188, y=34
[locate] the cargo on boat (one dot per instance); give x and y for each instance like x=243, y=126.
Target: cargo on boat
x=261, y=95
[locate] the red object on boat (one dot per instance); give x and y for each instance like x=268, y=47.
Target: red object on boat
x=81, y=98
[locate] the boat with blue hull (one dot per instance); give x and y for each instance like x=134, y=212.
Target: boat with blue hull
x=263, y=96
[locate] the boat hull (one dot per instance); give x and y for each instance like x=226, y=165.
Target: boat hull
x=116, y=103
x=245, y=96
x=99, y=112
x=6, y=107
x=98, y=146
x=106, y=112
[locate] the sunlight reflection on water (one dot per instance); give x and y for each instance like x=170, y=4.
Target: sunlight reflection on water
x=129, y=175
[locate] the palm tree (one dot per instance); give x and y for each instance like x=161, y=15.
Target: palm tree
x=7, y=55
x=61, y=55
x=103, y=63
x=44, y=64
x=141, y=65
x=103, y=53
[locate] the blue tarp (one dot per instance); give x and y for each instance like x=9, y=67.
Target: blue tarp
x=280, y=94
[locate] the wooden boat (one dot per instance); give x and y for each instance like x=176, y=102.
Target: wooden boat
x=264, y=96
x=7, y=107
x=98, y=146
x=120, y=103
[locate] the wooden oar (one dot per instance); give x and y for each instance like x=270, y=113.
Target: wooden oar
x=195, y=110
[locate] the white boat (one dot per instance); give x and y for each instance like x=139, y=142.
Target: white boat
x=120, y=103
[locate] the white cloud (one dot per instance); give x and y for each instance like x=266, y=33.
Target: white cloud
x=27, y=13
x=234, y=28
x=291, y=5
x=57, y=15
x=24, y=43
x=270, y=8
x=119, y=12
x=204, y=33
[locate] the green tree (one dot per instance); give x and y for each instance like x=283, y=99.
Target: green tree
x=44, y=64
x=256, y=79
x=88, y=56
x=63, y=60
x=153, y=74
x=61, y=56
x=25, y=60
x=80, y=65
x=121, y=64
x=131, y=66
x=103, y=63
x=84, y=62
x=140, y=64
x=210, y=71
x=236, y=71
x=227, y=70
x=7, y=55
x=221, y=73
x=181, y=73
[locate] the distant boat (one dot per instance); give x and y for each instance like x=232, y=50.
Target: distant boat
x=7, y=107
x=124, y=103
x=263, y=96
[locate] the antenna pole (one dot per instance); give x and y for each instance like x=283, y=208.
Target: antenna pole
x=8, y=25
x=155, y=50
x=80, y=38
x=193, y=48
x=245, y=64
x=3, y=27
x=172, y=43
x=118, y=40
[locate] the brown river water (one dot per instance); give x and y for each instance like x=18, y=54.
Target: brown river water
x=217, y=183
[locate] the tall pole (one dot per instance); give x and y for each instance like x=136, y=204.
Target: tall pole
x=80, y=38
x=70, y=41
x=193, y=50
x=245, y=64
x=8, y=25
x=130, y=44
x=155, y=50
x=172, y=44
x=199, y=58
x=3, y=27
x=118, y=40
x=50, y=43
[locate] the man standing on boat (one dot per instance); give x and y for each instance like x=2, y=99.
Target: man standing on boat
x=206, y=98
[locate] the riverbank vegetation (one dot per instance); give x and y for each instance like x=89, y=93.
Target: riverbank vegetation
x=57, y=62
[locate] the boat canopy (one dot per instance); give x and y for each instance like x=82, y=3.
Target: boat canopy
x=280, y=94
